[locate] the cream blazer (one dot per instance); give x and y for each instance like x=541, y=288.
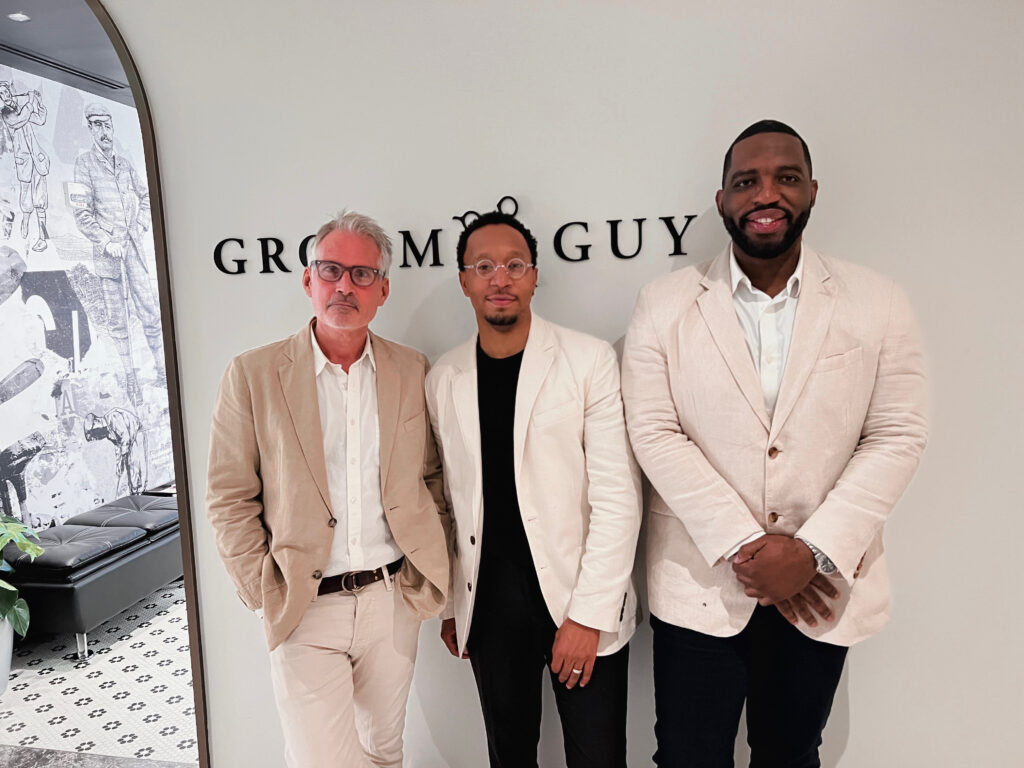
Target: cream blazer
x=577, y=481
x=848, y=431
x=267, y=496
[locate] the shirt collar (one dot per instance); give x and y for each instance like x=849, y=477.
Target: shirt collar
x=738, y=277
x=111, y=163
x=320, y=360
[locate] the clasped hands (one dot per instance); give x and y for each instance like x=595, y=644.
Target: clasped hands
x=780, y=570
x=575, y=648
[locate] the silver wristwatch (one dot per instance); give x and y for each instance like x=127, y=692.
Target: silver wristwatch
x=822, y=563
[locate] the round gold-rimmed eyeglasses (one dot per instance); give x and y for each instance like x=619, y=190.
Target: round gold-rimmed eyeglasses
x=486, y=269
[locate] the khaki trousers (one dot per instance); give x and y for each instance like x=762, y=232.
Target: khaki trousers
x=341, y=680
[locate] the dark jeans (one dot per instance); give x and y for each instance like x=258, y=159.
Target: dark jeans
x=700, y=683
x=509, y=647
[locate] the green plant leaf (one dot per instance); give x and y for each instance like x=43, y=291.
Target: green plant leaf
x=8, y=597
x=19, y=616
x=5, y=585
x=32, y=549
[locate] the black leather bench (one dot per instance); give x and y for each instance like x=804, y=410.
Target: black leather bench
x=98, y=564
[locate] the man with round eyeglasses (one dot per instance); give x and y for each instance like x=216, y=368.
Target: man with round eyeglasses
x=325, y=493
x=544, y=498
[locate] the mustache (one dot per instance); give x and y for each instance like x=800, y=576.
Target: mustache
x=344, y=301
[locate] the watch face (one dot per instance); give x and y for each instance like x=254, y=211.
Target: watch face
x=825, y=565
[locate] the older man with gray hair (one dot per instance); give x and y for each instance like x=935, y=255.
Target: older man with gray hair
x=325, y=493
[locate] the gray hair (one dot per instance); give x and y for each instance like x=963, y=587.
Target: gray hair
x=357, y=224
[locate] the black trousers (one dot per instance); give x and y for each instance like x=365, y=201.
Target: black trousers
x=700, y=683
x=509, y=648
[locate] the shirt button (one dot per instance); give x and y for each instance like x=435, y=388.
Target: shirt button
x=352, y=500
x=317, y=574
x=773, y=518
x=332, y=522
x=472, y=539
x=352, y=461
x=773, y=452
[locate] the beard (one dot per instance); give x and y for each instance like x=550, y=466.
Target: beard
x=766, y=250
x=501, y=321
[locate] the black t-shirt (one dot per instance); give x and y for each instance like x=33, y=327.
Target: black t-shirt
x=504, y=540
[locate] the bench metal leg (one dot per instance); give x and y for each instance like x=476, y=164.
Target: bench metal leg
x=81, y=638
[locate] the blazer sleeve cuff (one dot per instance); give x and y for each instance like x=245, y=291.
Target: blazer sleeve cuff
x=603, y=618
x=448, y=612
x=251, y=595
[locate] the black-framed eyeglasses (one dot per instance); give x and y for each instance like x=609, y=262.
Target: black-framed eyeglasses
x=332, y=272
x=486, y=269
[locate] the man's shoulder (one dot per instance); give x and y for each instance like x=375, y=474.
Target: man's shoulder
x=856, y=282
x=454, y=359
x=678, y=285
x=85, y=159
x=575, y=341
x=262, y=358
x=402, y=354
x=853, y=273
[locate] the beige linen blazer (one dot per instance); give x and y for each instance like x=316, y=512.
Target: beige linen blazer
x=576, y=478
x=267, y=496
x=847, y=434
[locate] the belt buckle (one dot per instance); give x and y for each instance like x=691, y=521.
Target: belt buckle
x=348, y=582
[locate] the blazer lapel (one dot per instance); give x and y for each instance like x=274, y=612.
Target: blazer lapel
x=298, y=383
x=717, y=309
x=537, y=359
x=389, y=391
x=810, y=326
x=467, y=413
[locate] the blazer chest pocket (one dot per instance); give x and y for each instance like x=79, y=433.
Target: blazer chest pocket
x=554, y=415
x=414, y=423
x=836, y=362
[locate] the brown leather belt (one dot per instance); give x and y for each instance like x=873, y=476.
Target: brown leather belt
x=353, y=581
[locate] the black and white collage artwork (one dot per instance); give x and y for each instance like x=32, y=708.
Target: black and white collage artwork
x=83, y=390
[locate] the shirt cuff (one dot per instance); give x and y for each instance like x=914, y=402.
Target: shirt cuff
x=752, y=537
x=259, y=613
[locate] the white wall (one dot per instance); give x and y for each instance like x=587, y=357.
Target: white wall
x=270, y=116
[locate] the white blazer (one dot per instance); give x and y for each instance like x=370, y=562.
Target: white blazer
x=848, y=431
x=577, y=480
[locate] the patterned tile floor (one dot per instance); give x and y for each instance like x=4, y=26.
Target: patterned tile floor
x=27, y=757
x=132, y=698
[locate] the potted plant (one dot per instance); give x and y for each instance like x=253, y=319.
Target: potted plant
x=13, y=609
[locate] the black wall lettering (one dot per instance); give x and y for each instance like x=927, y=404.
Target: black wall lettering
x=408, y=244
x=583, y=249
x=271, y=256
x=218, y=256
x=614, y=224
x=303, y=248
x=677, y=237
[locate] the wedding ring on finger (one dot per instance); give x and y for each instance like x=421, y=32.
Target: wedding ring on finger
x=577, y=671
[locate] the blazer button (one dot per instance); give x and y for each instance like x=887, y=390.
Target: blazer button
x=773, y=452
x=773, y=518
x=472, y=539
x=332, y=522
x=317, y=574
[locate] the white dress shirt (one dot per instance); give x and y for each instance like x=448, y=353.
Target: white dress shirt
x=767, y=323
x=351, y=432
